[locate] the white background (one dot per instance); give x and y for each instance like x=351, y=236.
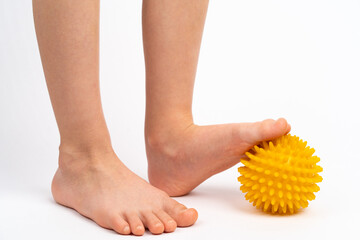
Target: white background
x=259, y=59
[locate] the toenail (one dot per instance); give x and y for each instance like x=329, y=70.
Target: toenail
x=126, y=229
x=139, y=227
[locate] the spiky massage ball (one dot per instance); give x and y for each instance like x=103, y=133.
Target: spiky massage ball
x=280, y=176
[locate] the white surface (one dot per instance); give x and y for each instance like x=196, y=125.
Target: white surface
x=259, y=59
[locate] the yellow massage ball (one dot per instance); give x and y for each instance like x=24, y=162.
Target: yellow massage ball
x=280, y=176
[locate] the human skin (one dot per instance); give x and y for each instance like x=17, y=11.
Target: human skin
x=90, y=178
x=181, y=154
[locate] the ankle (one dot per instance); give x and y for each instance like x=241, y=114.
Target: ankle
x=166, y=137
x=71, y=156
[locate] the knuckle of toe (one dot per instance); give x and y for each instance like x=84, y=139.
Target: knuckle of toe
x=116, y=222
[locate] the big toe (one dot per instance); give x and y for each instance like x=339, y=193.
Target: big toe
x=183, y=216
x=187, y=217
x=267, y=130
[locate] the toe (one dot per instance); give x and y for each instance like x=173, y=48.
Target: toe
x=136, y=225
x=288, y=128
x=169, y=223
x=267, y=130
x=183, y=216
x=118, y=224
x=281, y=125
x=187, y=217
x=152, y=222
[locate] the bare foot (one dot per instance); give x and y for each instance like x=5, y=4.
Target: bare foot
x=181, y=157
x=100, y=187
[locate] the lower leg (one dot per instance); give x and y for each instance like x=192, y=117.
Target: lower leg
x=67, y=34
x=176, y=147
x=172, y=33
x=90, y=178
